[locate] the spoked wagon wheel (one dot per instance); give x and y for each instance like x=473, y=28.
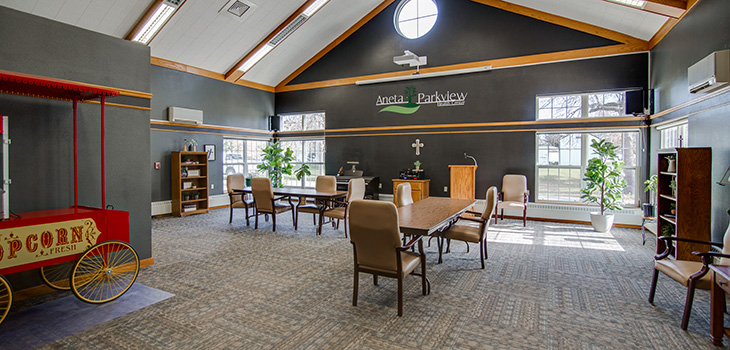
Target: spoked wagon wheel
x=6, y=298
x=57, y=276
x=104, y=272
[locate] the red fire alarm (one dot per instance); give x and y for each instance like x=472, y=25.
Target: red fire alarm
x=157, y=165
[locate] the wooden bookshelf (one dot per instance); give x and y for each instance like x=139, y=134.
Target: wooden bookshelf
x=185, y=186
x=691, y=199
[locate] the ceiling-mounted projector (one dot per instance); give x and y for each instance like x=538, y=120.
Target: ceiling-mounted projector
x=410, y=58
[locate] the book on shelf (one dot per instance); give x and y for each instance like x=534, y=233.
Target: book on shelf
x=189, y=207
x=193, y=172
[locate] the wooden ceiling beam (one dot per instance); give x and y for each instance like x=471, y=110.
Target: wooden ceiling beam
x=664, y=30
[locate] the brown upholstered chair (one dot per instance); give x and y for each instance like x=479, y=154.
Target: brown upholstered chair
x=238, y=200
x=322, y=184
x=403, y=193
x=266, y=203
x=376, y=246
x=475, y=234
x=691, y=274
x=514, y=195
x=339, y=210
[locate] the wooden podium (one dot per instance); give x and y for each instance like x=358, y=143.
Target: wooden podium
x=463, y=180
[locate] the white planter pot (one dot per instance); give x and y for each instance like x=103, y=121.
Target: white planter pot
x=602, y=223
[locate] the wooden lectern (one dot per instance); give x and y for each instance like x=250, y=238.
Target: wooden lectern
x=463, y=181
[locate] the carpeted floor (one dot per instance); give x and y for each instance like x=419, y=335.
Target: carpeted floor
x=547, y=286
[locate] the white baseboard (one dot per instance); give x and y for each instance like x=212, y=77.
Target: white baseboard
x=165, y=207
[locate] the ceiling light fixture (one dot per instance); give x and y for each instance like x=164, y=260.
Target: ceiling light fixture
x=424, y=75
x=161, y=12
x=639, y=4
x=282, y=34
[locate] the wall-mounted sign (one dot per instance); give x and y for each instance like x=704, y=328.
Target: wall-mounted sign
x=411, y=100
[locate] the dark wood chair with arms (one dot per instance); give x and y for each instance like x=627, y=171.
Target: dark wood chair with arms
x=322, y=184
x=238, y=200
x=473, y=234
x=266, y=203
x=692, y=274
x=514, y=195
x=376, y=246
x=339, y=210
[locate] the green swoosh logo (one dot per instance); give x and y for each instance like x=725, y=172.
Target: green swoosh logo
x=400, y=109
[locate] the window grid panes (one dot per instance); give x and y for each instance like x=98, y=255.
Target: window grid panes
x=415, y=18
x=676, y=135
x=562, y=158
x=241, y=157
x=593, y=105
x=302, y=122
x=309, y=151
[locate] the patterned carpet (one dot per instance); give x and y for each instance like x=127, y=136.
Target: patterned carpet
x=547, y=286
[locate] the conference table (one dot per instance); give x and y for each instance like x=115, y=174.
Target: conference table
x=430, y=216
x=289, y=192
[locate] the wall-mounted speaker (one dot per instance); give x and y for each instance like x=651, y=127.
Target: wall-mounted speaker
x=635, y=102
x=275, y=123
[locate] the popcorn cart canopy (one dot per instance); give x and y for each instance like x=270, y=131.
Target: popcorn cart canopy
x=37, y=86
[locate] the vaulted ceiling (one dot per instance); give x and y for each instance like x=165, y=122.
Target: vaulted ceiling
x=202, y=35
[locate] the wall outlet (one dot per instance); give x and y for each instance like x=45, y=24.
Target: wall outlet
x=446, y=188
x=212, y=186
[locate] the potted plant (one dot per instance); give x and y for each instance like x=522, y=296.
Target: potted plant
x=668, y=230
x=604, y=183
x=302, y=171
x=673, y=186
x=417, y=164
x=651, y=187
x=276, y=162
x=186, y=196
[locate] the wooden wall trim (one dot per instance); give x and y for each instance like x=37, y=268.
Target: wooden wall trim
x=502, y=63
x=691, y=114
x=669, y=24
x=692, y=102
x=208, y=126
x=337, y=41
x=117, y=105
x=161, y=62
x=562, y=21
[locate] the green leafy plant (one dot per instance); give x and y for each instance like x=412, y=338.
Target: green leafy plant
x=673, y=186
x=417, y=164
x=302, y=172
x=276, y=162
x=668, y=230
x=604, y=177
x=189, y=144
x=651, y=183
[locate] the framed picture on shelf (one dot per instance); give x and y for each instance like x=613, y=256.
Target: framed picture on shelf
x=211, y=152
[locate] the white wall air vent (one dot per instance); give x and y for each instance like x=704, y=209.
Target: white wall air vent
x=291, y=27
x=710, y=74
x=184, y=115
x=238, y=9
x=173, y=3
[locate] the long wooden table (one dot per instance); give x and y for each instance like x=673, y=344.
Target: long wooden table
x=720, y=286
x=431, y=215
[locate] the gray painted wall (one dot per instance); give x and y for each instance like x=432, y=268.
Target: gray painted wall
x=222, y=103
x=670, y=59
x=41, y=156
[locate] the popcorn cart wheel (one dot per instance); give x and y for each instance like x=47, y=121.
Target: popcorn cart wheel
x=80, y=248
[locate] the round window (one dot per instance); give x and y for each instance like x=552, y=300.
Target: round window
x=414, y=18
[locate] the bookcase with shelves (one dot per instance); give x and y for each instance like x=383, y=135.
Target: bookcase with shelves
x=683, y=198
x=189, y=183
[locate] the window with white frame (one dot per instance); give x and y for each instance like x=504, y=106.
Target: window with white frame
x=241, y=156
x=309, y=151
x=562, y=159
x=674, y=134
x=588, y=105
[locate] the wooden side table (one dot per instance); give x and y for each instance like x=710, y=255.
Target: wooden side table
x=720, y=286
x=419, y=189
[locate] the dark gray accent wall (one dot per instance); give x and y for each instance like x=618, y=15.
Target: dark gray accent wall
x=465, y=31
x=222, y=103
x=703, y=30
x=41, y=154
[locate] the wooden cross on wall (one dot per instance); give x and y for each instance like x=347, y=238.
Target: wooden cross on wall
x=417, y=145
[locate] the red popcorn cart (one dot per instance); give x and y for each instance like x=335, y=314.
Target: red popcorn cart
x=79, y=248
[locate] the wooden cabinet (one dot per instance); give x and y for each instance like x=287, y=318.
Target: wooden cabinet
x=463, y=181
x=690, y=200
x=189, y=183
x=419, y=189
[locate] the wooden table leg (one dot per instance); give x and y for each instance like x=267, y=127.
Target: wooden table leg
x=717, y=311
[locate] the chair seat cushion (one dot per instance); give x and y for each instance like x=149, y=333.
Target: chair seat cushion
x=240, y=204
x=410, y=262
x=511, y=205
x=337, y=213
x=463, y=233
x=680, y=270
x=308, y=208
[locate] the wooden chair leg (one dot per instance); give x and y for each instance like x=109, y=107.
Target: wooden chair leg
x=400, y=294
x=354, y=286
x=652, y=289
x=314, y=219
x=319, y=227
x=345, y=223
x=230, y=218
x=256, y=213
x=296, y=218
x=423, y=274
x=375, y=279
x=481, y=253
x=688, y=304
x=273, y=222
x=486, y=252
x=502, y=219
x=524, y=217
x=248, y=223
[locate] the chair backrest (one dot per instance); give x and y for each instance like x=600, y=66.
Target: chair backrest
x=491, y=206
x=355, y=190
x=403, y=194
x=326, y=184
x=235, y=182
x=514, y=187
x=263, y=193
x=375, y=233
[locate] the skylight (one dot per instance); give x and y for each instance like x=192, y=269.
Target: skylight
x=633, y=3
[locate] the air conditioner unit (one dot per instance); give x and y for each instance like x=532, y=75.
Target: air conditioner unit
x=184, y=115
x=710, y=74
